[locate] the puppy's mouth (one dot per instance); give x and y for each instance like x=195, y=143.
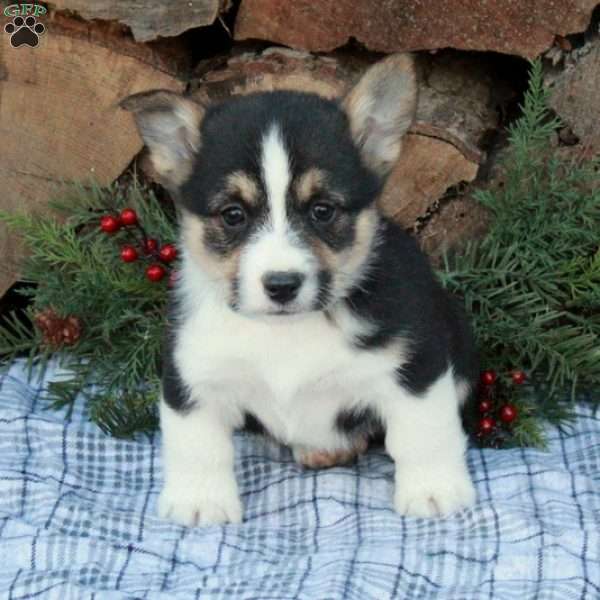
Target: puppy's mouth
x=283, y=311
x=278, y=311
x=290, y=312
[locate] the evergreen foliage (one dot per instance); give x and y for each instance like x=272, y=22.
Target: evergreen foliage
x=77, y=271
x=532, y=285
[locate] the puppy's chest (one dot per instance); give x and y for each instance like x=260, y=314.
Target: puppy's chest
x=295, y=375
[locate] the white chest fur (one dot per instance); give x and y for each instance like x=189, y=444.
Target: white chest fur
x=294, y=373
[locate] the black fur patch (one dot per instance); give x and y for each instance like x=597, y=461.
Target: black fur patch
x=403, y=299
x=254, y=424
x=362, y=422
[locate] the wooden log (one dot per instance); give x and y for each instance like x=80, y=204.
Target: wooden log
x=148, y=19
x=59, y=119
x=521, y=28
x=575, y=96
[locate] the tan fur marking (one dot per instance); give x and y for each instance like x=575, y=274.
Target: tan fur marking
x=194, y=231
x=242, y=184
x=349, y=265
x=309, y=183
x=318, y=459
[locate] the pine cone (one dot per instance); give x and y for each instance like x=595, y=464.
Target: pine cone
x=71, y=331
x=57, y=331
x=50, y=324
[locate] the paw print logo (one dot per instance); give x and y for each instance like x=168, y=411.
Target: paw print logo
x=24, y=32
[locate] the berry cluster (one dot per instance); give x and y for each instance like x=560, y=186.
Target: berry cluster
x=146, y=248
x=496, y=413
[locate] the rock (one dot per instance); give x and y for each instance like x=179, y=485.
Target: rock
x=522, y=28
x=148, y=19
x=60, y=121
x=575, y=97
x=456, y=112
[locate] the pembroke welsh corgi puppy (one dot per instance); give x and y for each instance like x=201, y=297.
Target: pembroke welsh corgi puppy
x=299, y=305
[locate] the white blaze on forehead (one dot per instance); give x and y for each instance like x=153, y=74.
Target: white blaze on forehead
x=275, y=246
x=275, y=165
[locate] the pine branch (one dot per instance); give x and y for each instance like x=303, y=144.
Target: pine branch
x=78, y=271
x=532, y=285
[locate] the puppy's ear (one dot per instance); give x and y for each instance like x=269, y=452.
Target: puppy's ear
x=381, y=107
x=169, y=125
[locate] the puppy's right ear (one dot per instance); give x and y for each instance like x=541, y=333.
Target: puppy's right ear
x=169, y=124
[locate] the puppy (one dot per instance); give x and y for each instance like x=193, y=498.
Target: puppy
x=298, y=304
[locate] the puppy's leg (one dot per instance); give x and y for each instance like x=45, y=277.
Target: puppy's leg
x=425, y=438
x=197, y=452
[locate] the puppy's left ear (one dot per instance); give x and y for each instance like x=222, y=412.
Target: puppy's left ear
x=381, y=108
x=169, y=124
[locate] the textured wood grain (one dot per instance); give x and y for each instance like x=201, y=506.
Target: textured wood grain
x=59, y=120
x=148, y=19
x=427, y=167
x=523, y=28
x=576, y=98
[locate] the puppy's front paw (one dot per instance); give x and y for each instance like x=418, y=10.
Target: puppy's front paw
x=433, y=493
x=206, y=504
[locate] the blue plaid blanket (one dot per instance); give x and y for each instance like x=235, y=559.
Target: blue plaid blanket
x=78, y=520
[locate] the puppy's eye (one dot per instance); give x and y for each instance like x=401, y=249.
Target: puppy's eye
x=234, y=216
x=322, y=212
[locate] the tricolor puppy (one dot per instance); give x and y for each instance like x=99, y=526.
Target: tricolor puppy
x=299, y=305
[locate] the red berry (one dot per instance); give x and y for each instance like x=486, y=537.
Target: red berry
x=486, y=425
x=488, y=377
x=128, y=217
x=110, y=224
x=128, y=254
x=518, y=377
x=155, y=272
x=485, y=406
x=168, y=253
x=150, y=246
x=508, y=413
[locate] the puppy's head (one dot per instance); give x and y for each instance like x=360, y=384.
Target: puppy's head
x=277, y=190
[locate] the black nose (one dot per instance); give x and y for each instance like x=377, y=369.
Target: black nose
x=282, y=286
